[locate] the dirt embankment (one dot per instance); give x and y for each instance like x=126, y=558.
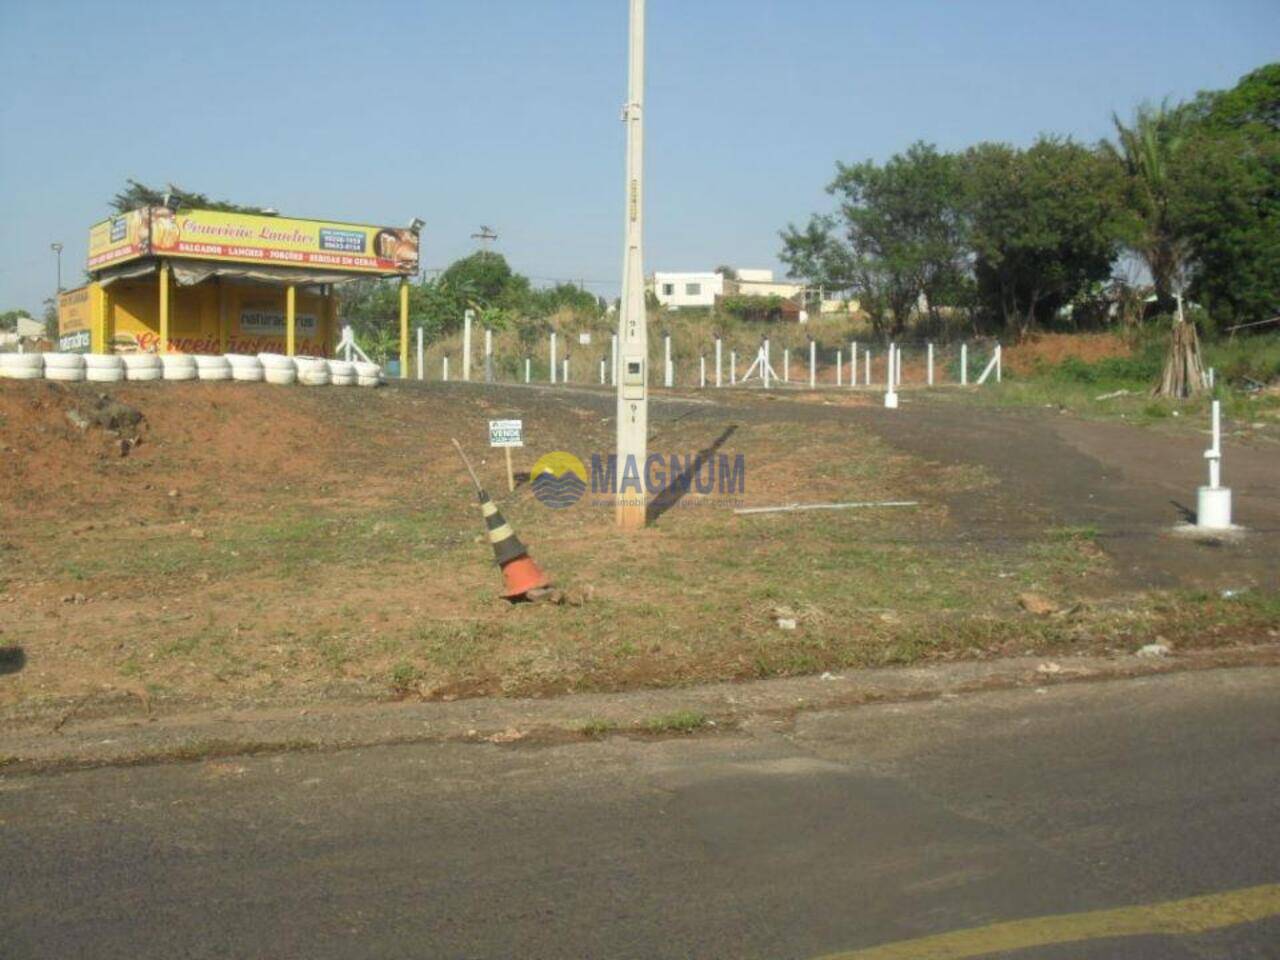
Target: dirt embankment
x=1049, y=349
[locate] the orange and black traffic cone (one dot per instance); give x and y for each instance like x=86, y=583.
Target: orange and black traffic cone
x=520, y=574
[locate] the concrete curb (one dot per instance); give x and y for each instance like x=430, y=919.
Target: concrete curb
x=143, y=739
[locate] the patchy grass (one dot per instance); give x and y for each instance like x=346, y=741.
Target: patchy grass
x=682, y=721
x=597, y=728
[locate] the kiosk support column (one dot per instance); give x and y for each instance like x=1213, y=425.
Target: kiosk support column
x=290, y=314
x=164, y=306
x=404, y=328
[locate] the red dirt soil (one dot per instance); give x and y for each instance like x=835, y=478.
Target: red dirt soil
x=1050, y=349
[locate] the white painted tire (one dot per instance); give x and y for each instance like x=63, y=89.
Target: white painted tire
x=244, y=373
x=141, y=366
x=213, y=368
x=63, y=361
x=369, y=381
x=22, y=373
x=280, y=375
x=178, y=366
x=64, y=374
x=103, y=361
x=104, y=374
x=276, y=360
x=368, y=369
x=341, y=380
x=341, y=368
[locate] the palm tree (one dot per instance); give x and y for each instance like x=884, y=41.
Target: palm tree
x=1148, y=150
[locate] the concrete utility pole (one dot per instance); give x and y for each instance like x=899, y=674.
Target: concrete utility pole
x=633, y=336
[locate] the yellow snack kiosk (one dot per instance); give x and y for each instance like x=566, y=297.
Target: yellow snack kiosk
x=211, y=281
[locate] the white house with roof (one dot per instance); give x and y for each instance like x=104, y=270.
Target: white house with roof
x=676, y=290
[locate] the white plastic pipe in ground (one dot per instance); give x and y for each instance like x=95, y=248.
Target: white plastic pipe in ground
x=528, y=369
x=764, y=365
x=422, y=370
x=890, y=375
x=602, y=363
x=786, y=364
x=999, y=361
x=717, y=361
x=488, y=355
x=839, y=368
x=1213, y=503
x=964, y=364
x=813, y=364
x=668, y=375
x=897, y=368
x=444, y=369
x=928, y=364
x=853, y=363
x=466, y=344
x=733, y=366
x=565, y=377
x=702, y=371
x=553, y=356
x=866, y=364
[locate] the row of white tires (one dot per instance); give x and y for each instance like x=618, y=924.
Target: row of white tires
x=112, y=368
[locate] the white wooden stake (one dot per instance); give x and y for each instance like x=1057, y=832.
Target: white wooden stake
x=466, y=344
x=602, y=363
x=839, y=368
x=733, y=366
x=488, y=355
x=565, y=378
x=813, y=364
x=866, y=364
x=422, y=370
x=717, y=360
x=668, y=374
x=786, y=364
x=702, y=371
x=528, y=369
x=553, y=356
x=929, y=364
x=853, y=363
x=964, y=364
x=999, y=361
x=765, y=369
x=444, y=368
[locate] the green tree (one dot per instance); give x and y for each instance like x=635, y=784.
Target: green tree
x=898, y=235
x=1044, y=225
x=9, y=319
x=135, y=195
x=485, y=274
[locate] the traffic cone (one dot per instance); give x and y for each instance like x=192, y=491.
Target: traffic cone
x=521, y=575
x=519, y=572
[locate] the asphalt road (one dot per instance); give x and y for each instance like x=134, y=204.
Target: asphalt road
x=840, y=831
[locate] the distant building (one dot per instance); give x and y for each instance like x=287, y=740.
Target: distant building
x=676, y=290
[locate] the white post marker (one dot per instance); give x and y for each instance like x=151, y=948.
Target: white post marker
x=929, y=364
x=964, y=364
x=866, y=363
x=853, y=363
x=897, y=367
x=633, y=330
x=466, y=344
x=999, y=361
x=507, y=434
x=602, y=363
x=553, y=356
x=444, y=369
x=488, y=355
x=890, y=395
x=733, y=366
x=717, y=359
x=702, y=371
x=839, y=368
x=528, y=369
x=786, y=364
x=813, y=364
x=766, y=368
x=422, y=370
x=668, y=374
x=565, y=378
x=1213, y=503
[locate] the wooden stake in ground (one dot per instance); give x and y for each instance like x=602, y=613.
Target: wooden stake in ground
x=1183, y=372
x=511, y=477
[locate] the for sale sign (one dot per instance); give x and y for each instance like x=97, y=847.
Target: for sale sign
x=506, y=433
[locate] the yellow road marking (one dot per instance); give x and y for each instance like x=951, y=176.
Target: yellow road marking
x=1193, y=915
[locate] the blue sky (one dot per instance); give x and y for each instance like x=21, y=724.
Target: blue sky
x=506, y=112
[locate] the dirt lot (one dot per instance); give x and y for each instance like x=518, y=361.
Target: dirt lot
x=264, y=544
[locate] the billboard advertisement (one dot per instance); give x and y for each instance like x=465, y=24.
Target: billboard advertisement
x=75, y=315
x=253, y=238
